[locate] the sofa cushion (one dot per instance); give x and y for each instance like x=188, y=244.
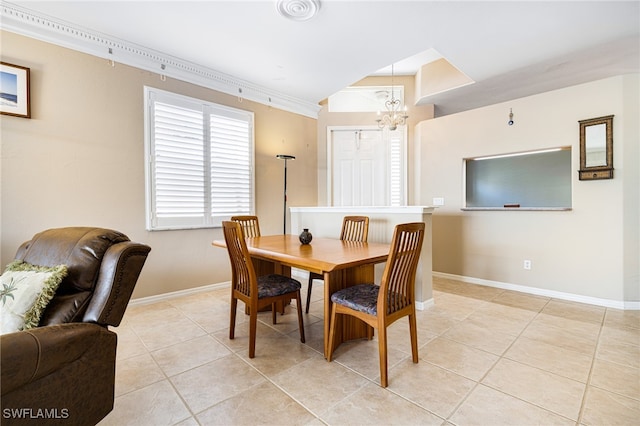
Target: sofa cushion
x=25, y=291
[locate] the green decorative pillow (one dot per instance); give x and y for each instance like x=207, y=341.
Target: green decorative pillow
x=25, y=291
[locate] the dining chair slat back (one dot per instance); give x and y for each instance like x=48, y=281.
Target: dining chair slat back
x=354, y=228
x=250, y=225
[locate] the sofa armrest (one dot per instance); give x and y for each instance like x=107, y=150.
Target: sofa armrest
x=118, y=275
x=29, y=355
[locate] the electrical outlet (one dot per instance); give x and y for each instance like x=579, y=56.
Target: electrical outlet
x=438, y=201
x=527, y=265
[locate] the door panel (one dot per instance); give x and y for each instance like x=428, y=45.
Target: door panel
x=360, y=170
x=374, y=169
x=344, y=193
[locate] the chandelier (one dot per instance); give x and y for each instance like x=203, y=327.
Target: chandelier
x=394, y=116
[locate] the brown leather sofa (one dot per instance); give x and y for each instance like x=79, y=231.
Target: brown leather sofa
x=63, y=371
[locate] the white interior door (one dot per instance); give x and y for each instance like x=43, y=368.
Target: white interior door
x=366, y=166
x=360, y=168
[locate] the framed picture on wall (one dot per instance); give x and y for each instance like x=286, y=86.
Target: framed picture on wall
x=14, y=90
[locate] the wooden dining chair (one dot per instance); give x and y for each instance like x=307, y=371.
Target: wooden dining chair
x=251, y=228
x=255, y=292
x=250, y=225
x=354, y=228
x=380, y=306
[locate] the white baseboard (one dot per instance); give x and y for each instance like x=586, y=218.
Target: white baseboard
x=173, y=294
x=421, y=306
x=616, y=304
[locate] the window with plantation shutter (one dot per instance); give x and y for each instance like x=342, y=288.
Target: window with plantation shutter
x=199, y=162
x=396, y=169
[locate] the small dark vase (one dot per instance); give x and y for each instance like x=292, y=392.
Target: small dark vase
x=305, y=236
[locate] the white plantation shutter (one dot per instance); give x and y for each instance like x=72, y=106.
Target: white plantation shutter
x=231, y=171
x=179, y=162
x=200, y=162
x=396, y=170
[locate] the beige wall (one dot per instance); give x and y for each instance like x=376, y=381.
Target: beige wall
x=79, y=161
x=326, y=119
x=592, y=250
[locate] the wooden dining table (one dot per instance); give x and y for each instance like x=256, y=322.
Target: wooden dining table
x=341, y=263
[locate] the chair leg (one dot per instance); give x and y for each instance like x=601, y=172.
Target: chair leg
x=273, y=312
x=332, y=332
x=253, y=325
x=300, y=321
x=232, y=318
x=306, y=309
x=413, y=331
x=382, y=348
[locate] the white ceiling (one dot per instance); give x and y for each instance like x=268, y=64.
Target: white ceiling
x=510, y=49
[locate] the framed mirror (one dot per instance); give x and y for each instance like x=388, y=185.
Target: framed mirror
x=596, y=148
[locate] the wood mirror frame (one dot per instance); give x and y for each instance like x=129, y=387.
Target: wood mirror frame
x=596, y=148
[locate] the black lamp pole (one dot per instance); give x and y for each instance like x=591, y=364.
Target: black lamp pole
x=285, y=157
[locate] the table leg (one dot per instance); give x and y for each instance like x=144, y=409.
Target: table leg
x=349, y=327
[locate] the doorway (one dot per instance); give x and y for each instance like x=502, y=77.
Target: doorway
x=366, y=166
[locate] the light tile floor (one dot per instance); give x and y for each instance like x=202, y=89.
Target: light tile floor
x=487, y=357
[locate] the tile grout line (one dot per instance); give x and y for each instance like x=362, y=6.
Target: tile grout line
x=593, y=362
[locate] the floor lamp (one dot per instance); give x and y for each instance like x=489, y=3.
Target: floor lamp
x=285, y=157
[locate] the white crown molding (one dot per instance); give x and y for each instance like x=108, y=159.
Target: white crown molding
x=28, y=23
